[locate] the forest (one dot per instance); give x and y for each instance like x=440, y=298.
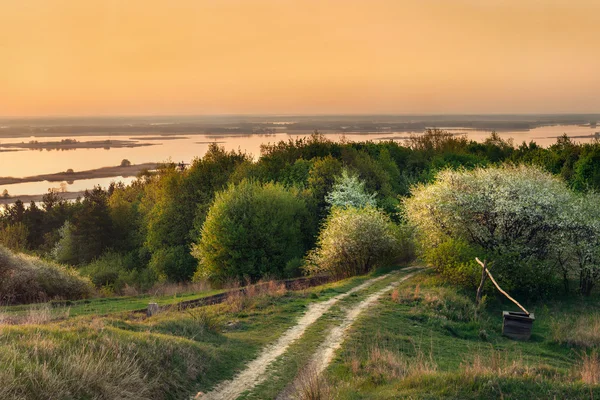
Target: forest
x=229, y=218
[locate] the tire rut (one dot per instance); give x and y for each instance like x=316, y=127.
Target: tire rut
x=255, y=372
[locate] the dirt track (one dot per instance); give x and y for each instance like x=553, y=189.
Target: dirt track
x=334, y=340
x=255, y=371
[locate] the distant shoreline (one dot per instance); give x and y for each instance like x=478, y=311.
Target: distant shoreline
x=71, y=144
x=37, y=198
x=162, y=127
x=104, y=172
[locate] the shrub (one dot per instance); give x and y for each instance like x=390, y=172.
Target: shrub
x=251, y=231
x=26, y=279
x=454, y=260
x=353, y=241
x=174, y=263
x=512, y=214
x=119, y=273
x=349, y=191
x=15, y=236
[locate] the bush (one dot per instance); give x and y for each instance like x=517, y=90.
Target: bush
x=511, y=214
x=117, y=271
x=455, y=260
x=14, y=236
x=354, y=241
x=251, y=231
x=25, y=279
x=175, y=263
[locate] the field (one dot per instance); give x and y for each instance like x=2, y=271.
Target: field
x=402, y=334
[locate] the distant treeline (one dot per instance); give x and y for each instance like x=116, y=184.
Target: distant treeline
x=140, y=233
x=268, y=124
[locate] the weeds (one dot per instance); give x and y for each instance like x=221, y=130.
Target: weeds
x=166, y=289
x=310, y=385
x=582, y=331
x=246, y=298
x=589, y=368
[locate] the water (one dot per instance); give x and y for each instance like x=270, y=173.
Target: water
x=32, y=188
x=186, y=147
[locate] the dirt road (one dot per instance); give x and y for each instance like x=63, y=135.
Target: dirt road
x=255, y=371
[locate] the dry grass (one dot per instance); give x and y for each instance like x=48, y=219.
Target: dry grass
x=504, y=364
x=582, y=331
x=38, y=314
x=589, y=368
x=383, y=364
x=238, y=300
x=406, y=296
x=386, y=364
x=174, y=289
x=59, y=373
x=310, y=385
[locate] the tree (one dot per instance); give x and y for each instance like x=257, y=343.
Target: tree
x=91, y=228
x=251, y=231
x=125, y=163
x=321, y=179
x=14, y=236
x=349, y=191
x=353, y=241
x=510, y=213
x=176, y=204
x=5, y=194
x=578, y=247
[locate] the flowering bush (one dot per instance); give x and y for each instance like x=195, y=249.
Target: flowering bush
x=349, y=191
x=353, y=241
x=514, y=214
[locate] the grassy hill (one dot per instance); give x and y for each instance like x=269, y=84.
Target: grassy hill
x=419, y=340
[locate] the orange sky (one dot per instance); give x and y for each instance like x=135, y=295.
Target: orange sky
x=88, y=57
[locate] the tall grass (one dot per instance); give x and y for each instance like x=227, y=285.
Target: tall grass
x=238, y=300
x=310, y=385
x=46, y=369
x=589, y=368
x=581, y=330
x=26, y=279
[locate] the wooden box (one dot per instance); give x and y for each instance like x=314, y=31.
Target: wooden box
x=517, y=325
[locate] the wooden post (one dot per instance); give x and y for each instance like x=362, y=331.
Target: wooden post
x=152, y=309
x=498, y=286
x=483, y=277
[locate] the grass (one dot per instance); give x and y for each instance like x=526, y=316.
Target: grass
x=424, y=341
x=126, y=355
x=26, y=279
x=103, y=306
x=293, y=363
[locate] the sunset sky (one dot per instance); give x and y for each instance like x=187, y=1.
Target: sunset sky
x=117, y=57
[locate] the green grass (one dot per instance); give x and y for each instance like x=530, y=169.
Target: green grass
x=427, y=345
x=422, y=343
x=169, y=356
x=108, y=305
x=287, y=367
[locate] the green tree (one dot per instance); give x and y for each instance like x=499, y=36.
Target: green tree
x=91, y=228
x=510, y=213
x=353, y=241
x=251, y=231
x=14, y=236
x=349, y=191
x=176, y=206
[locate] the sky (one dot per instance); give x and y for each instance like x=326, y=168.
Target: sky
x=153, y=57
